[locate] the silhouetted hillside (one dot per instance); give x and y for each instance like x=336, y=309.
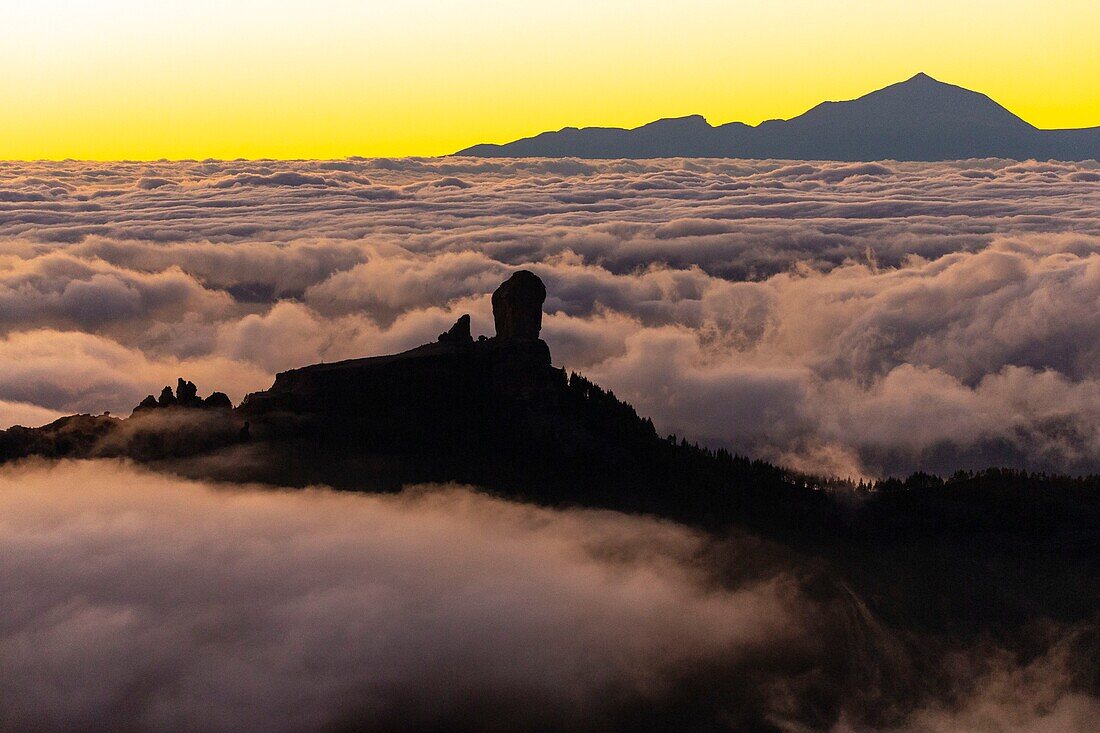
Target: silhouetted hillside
x=918, y=119
x=974, y=552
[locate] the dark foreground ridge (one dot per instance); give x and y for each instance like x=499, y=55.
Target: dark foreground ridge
x=945, y=564
x=495, y=413
x=920, y=119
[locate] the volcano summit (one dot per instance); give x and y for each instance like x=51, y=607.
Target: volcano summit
x=920, y=119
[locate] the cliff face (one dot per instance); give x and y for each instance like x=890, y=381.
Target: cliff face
x=433, y=378
x=453, y=410
x=444, y=380
x=440, y=412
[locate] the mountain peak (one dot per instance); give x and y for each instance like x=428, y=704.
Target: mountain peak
x=920, y=118
x=920, y=77
x=687, y=122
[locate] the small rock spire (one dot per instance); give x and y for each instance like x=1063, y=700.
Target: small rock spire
x=459, y=333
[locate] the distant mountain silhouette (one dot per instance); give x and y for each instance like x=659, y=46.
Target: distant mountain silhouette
x=920, y=119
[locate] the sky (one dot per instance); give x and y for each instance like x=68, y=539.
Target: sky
x=110, y=79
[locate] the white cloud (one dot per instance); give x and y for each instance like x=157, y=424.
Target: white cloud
x=145, y=602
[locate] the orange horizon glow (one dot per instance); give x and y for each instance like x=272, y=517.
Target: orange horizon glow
x=123, y=79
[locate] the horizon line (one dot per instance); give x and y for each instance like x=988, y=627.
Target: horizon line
x=351, y=156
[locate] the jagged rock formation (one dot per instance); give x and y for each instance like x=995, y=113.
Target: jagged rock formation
x=517, y=306
x=179, y=425
x=187, y=396
x=976, y=554
x=453, y=377
x=495, y=412
x=492, y=412
x=458, y=333
x=218, y=401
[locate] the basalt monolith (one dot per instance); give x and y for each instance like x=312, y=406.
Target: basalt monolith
x=517, y=306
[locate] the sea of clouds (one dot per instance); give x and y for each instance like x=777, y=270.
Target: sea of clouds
x=140, y=601
x=855, y=319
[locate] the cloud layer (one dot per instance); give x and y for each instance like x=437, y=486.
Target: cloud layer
x=139, y=601
x=851, y=319
x=146, y=602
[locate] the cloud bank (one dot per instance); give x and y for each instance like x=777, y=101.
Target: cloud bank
x=850, y=319
x=139, y=601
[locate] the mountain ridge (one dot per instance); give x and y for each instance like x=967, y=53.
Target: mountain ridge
x=495, y=413
x=919, y=119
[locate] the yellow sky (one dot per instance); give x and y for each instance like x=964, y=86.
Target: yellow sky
x=105, y=79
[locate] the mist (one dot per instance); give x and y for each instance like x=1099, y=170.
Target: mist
x=142, y=601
